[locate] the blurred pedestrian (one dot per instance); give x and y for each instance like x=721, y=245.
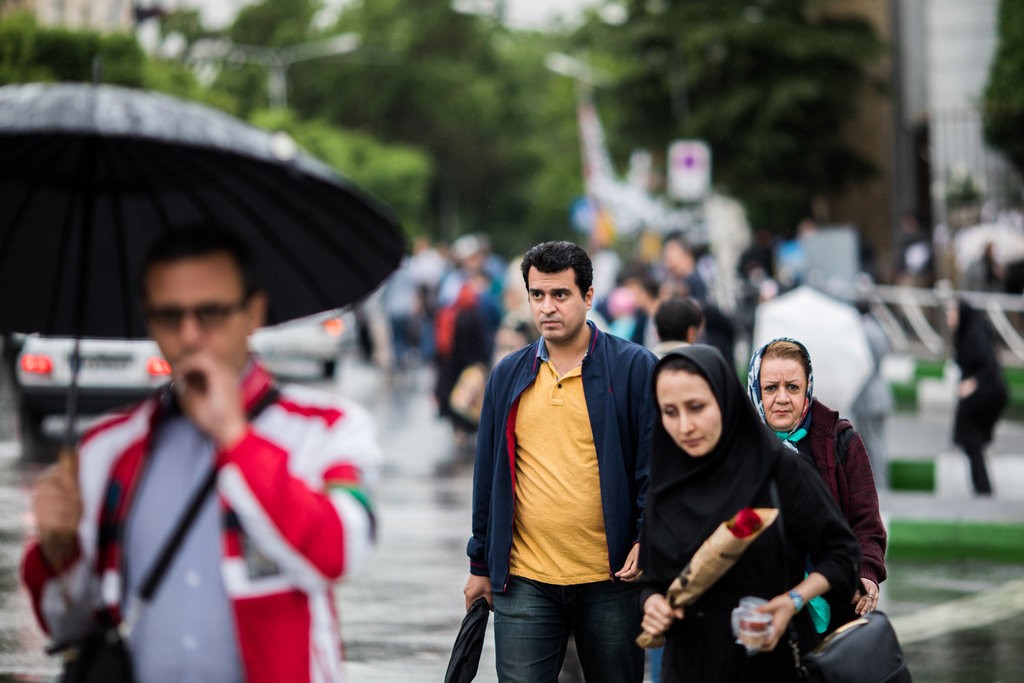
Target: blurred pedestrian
x=290, y=516
x=426, y=267
x=710, y=458
x=982, y=392
x=639, y=280
x=914, y=260
x=986, y=274
x=678, y=321
x=559, y=484
x=780, y=384
x=460, y=342
x=401, y=303
x=679, y=273
x=874, y=403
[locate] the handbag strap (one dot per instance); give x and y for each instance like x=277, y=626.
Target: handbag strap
x=794, y=643
x=159, y=569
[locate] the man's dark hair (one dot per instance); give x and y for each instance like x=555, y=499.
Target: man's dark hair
x=195, y=241
x=678, y=237
x=555, y=257
x=676, y=316
x=641, y=274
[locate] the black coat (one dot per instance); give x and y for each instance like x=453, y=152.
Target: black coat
x=689, y=498
x=975, y=353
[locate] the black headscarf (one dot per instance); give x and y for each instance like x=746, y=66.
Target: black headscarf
x=689, y=497
x=972, y=340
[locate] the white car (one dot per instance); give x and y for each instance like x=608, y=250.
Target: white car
x=119, y=372
x=322, y=338
x=113, y=373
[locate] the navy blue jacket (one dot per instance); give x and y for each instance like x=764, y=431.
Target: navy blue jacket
x=617, y=386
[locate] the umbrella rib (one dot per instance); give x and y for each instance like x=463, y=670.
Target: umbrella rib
x=23, y=207
x=62, y=258
x=318, y=186
x=354, y=214
x=165, y=161
x=257, y=221
x=123, y=265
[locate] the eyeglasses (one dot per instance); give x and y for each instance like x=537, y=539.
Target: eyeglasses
x=207, y=316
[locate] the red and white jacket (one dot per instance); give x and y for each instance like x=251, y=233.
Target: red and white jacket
x=296, y=486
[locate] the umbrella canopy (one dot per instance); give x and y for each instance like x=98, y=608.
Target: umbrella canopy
x=469, y=644
x=91, y=175
x=833, y=334
x=1007, y=243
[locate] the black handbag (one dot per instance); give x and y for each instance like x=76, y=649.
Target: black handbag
x=100, y=657
x=864, y=650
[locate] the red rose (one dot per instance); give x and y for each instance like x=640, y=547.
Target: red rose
x=745, y=523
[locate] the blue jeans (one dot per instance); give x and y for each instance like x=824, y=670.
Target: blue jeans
x=532, y=622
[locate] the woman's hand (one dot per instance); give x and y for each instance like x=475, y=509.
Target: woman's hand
x=659, y=615
x=782, y=610
x=967, y=387
x=867, y=599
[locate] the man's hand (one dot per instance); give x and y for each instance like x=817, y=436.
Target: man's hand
x=209, y=395
x=867, y=599
x=631, y=569
x=57, y=506
x=659, y=615
x=476, y=587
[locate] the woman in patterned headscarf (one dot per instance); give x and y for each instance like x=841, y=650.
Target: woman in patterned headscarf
x=780, y=383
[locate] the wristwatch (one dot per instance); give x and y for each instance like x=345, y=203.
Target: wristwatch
x=798, y=602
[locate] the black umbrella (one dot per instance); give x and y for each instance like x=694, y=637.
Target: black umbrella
x=91, y=175
x=469, y=643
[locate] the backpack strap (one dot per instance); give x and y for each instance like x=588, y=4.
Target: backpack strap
x=844, y=434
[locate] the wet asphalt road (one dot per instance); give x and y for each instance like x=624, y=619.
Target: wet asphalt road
x=401, y=611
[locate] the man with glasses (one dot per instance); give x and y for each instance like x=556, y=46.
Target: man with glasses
x=247, y=595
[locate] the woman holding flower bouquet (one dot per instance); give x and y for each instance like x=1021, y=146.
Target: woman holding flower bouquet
x=711, y=457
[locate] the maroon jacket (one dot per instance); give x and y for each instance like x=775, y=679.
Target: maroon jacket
x=852, y=487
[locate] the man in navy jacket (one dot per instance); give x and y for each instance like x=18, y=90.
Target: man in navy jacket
x=559, y=485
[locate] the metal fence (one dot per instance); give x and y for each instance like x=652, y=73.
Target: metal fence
x=914, y=318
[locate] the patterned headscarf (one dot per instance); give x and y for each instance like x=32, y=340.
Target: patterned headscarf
x=799, y=431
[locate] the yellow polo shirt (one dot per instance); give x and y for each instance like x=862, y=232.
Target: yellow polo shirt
x=559, y=524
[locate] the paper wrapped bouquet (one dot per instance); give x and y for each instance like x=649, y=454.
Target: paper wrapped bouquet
x=713, y=558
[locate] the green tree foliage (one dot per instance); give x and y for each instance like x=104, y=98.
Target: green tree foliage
x=1004, y=96
x=265, y=24
x=461, y=88
x=768, y=84
x=29, y=52
x=399, y=176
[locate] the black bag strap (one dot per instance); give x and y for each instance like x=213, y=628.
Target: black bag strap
x=844, y=435
x=163, y=561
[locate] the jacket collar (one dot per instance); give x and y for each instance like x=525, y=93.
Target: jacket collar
x=542, y=347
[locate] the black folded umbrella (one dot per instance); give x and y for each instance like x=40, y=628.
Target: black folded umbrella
x=468, y=644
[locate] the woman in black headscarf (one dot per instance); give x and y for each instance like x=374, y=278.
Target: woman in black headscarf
x=710, y=457
x=982, y=391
